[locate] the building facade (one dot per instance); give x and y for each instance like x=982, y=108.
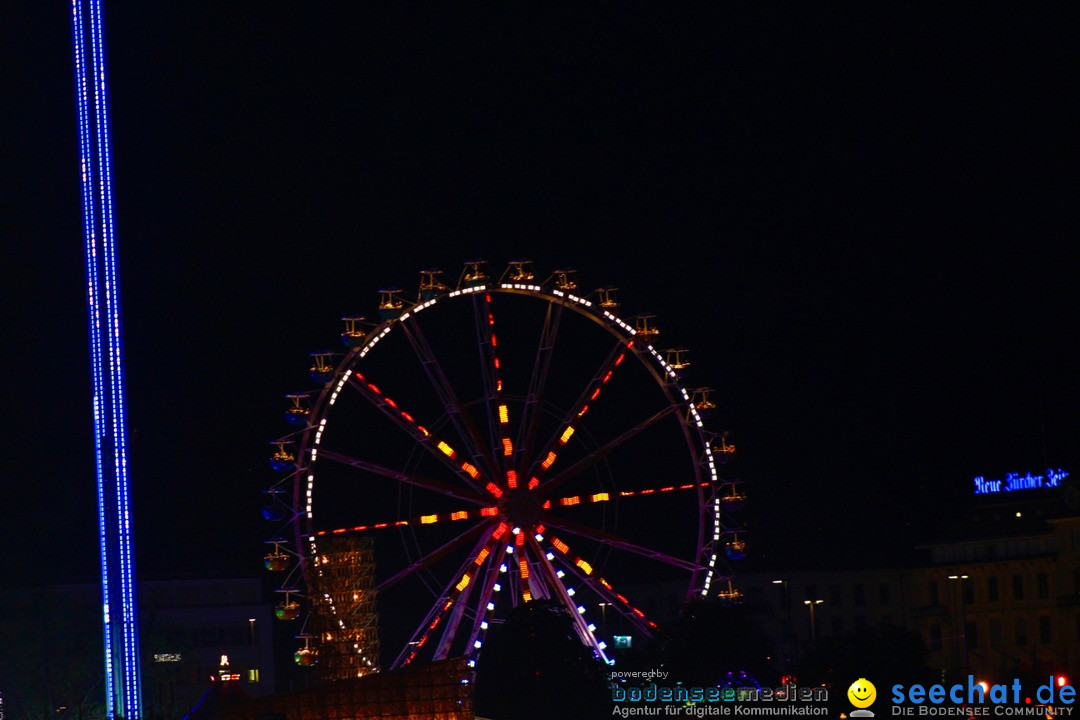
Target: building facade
x=996, y=596
x=51, y=649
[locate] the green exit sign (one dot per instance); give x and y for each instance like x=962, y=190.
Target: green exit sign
x=622, y=642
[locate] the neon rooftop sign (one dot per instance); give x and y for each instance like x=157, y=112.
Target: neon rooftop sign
x=1013, y=482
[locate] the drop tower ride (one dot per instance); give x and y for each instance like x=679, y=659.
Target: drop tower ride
x=123, y=690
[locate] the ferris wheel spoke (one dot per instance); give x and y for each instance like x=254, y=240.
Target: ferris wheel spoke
x=433, y=518
x=522, y=560
x=437, y=486
x=455, y=411
x=435, y=555
x=561, y=592
x=485, y=608
x=446, y=455
x=472, y=571
x=581, y=406
x=607, y=496
x=603, y=451
x=612, y=540
x=583, y=571
x=490, y=365
x=452, y=596
x=529, y=426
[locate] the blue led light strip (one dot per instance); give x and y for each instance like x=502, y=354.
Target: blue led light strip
x=122, y=672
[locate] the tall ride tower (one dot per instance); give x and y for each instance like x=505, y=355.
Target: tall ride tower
x=122, y=684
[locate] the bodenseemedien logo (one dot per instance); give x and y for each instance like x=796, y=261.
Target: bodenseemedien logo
x=698, y=702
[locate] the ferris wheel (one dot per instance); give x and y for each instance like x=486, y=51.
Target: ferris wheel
x=497, y=442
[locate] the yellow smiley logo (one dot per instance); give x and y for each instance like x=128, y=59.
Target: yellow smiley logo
x=862, y=693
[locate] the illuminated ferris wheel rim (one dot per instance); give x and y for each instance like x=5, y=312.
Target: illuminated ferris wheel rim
x=540, y=553
x=650, y=358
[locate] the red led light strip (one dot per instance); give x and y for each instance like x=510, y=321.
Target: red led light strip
x=579, y=565
x=568, y=429
x=478, y=513
x=503, y=409
x=462, y=584
x=425, y=435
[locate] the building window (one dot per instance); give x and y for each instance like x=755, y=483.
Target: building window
x=883, y=593
x=931, y=593
x=1043, y=585
x=253, y=675
x=971, y=635
x=995, y=633
x=935, y=636
x=1021, y=632
x=1044, y=630
x=859, y=593
x=1018, y=587
x=992, y=588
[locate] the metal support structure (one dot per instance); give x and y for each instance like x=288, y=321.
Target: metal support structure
x=123, y=691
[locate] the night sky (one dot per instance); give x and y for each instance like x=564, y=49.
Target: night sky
x=861, y=221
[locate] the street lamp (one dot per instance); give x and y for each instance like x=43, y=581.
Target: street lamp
x=789, y=630
x=603, y=616
x=963, y=622
x=813, y=627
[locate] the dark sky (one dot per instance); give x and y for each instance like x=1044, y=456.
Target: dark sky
x=860, y=220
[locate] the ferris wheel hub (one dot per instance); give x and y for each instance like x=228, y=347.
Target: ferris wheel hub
x=523, y=508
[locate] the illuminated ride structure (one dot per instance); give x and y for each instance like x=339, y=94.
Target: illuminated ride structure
x=122, y=672
x=501, y=441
